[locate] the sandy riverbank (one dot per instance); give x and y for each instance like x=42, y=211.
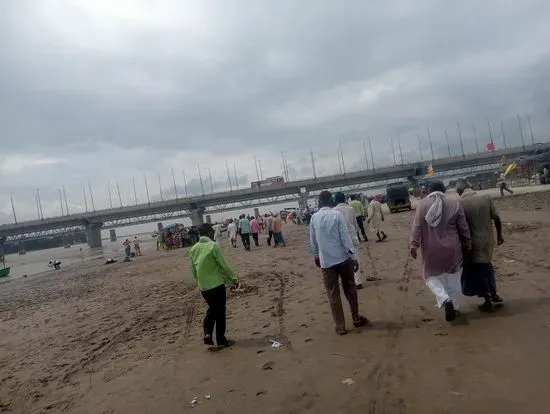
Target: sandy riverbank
x=126, y=338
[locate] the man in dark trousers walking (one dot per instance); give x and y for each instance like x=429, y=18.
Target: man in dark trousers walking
x=212, y=273
x=335, y=254
x=359, y=214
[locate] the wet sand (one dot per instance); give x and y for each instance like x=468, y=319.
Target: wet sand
x=126, y=338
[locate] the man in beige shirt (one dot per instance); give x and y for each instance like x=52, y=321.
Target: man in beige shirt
x=478, y=276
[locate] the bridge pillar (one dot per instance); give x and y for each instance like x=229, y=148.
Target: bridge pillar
x=196, y=216
x=93, y=234
x=112, y=235
x=302, y=202
x=208, y=219
x=256, y=212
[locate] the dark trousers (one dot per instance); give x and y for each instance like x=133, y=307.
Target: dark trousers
x=255, y=237
x=361, y=224
x=343, y=271
x=215, y=315
x=269, y=237
x=245, y=237
x=504, y=186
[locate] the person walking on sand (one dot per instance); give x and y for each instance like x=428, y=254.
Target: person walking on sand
x=441, y=232
x=278, y=231
x=349, y=215
x=269, y=225
x=359, y=215
x=137, y=247
x=232, y=232
x=255, y=230
x=212, y=273
x=478, y=275
x=504, y=184
x=217, y=232
x=127, y=248
x=244, y=227
x=335, y=254
x=376, y=218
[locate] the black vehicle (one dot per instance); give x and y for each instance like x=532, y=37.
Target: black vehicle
x=398, y=198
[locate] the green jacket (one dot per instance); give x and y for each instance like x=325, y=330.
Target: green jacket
x=358, y=207
x=209, y=266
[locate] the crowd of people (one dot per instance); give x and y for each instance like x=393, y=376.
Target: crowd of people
x=454, y=238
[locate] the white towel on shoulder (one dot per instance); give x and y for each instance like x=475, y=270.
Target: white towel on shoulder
x=435, y=212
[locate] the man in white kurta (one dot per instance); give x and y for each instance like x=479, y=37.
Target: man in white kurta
x=353, y=228
x=232, y=233
x=376, y=217
x=217, y=232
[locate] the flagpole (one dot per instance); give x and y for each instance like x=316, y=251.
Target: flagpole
x=475, y=137
x=420, y=148
x=521, y=132
x=228, y=176
x=110, y=198
x=503, y=134
x=146, y=188
x=85, y=199
x=60, y=201
x=448, y=144
x=13, y=209
x=135, y=192
x=185, y=184
x=430, y=139
x=174, y=180
x=91, y=195
x=365, y=152
x=313, y=165
x=66, y=204
x=160, y=188
x=200, y=178
x=236, y=180
x=460, y=137
x=118, y=191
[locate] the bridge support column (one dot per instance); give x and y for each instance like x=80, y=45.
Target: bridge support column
x=208, y=219
x=256, y=212
x=196, y=215
x=93, y=234
x=112, y=235
x=302, y=202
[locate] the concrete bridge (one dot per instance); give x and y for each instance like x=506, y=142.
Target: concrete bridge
x=196, y=206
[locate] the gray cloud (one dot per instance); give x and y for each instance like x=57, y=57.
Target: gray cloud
x=103, y=90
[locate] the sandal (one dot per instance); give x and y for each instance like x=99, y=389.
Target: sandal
x=341, y=331
x=361, y=321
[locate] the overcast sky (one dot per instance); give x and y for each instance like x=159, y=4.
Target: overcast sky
x=103, y=90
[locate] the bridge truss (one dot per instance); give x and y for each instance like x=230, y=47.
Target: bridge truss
x=237, y=206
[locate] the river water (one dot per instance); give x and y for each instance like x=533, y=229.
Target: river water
x=36, y=262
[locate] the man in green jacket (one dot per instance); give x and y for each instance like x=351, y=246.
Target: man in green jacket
x=212, y=273
x=359, y=214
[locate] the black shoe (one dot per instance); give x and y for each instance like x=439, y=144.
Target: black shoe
x=384, y=236
x=226, y=344
x=359, y=286
x=486, y=307
x=496, y=299
x=208, y=340
x=450, y=313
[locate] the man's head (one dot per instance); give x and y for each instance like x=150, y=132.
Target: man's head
x=339, y=197
x=206, y=230
x=461, y=185
x=436, y=185
x=325, y=199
